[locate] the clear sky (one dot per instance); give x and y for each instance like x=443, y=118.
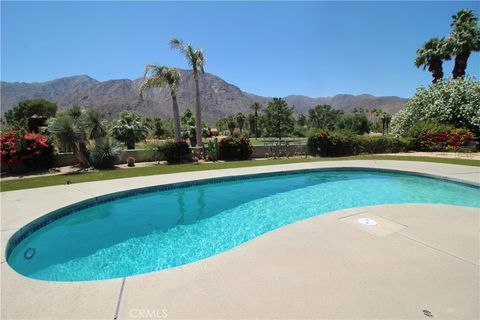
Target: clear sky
x=266, y=48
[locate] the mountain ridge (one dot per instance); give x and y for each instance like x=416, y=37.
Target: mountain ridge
x=218, y=97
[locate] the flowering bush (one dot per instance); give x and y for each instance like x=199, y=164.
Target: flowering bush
x=32, y=150
x=429, y=136
x=452, y=101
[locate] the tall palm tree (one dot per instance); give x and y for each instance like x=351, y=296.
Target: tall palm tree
x=160, y=76
x=431, y=55
x=196, y=60
x=464, y=38
x=255, y=107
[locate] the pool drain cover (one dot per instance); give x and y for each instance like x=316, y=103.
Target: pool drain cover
x=367, y=221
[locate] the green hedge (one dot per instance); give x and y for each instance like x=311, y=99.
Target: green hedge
x=341, y=143
x=176, y=152
x=232, y=148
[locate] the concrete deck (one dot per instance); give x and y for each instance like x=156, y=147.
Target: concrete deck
x=419, y=257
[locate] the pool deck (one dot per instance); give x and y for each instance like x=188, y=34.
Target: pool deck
x=419, y=260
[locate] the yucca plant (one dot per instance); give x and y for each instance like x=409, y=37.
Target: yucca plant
x=105, y=152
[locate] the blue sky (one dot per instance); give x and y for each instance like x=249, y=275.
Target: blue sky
x=266, y=48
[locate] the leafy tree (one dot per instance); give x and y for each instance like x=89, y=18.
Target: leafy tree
x=129, y=128
x=463, y=40
x=357, y=123
x=301, y=120
x=324, y=116
x=240, y=119
x=431, y=55
x=196, y=60
x=27, y=108
x=452, y=101
x=159, y=77
x=279, y=119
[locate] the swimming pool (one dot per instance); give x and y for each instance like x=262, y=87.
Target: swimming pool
x=157, y=228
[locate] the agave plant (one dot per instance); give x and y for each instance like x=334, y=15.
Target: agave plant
x=105, y=152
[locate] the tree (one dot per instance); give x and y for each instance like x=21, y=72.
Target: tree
x=129, y=128
x=386, y=119
x=251, y=120
x=95, y=122
x=301, y=120
x=279, y=119
x=27, y=108
x=355, y=122
x=255, y=107
x=196, y=60
x=240, y=119
x=463, y=40
x=431, y=55
x=451, y=101
x=70, y=134
x=231, y=124
x=324, y=116
x=159, y=77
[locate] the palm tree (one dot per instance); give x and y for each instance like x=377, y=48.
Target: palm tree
x=240, y=118
x=196, y=60
x=255, y=108
x=464, y=38
x=160, y=76
x=432, y=55
x=129, y=128
x=386, y=119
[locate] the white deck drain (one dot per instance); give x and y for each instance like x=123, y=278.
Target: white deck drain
x=367, y=222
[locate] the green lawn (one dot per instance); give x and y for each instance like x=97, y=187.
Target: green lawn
x=26, y=183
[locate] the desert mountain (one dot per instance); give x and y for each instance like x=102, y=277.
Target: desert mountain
x=218, y=97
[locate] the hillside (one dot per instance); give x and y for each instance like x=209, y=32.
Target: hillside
x=219, y=98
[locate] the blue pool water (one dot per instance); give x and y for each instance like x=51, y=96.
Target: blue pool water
x=163, y=229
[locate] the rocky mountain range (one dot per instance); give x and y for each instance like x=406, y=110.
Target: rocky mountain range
x=218, y=98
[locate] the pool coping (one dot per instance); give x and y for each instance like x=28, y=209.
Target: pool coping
x=87, y=306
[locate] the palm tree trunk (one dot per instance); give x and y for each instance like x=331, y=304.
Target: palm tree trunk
x=176, y=116
x=436, y=68
x=198, y=113
x=460, y=65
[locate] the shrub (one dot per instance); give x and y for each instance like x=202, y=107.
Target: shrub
x=232, y=148
x=431, y=136
x=452, y=101
x=32, y=151
x=176, y=152
x=105, y=153
x=333, y=143
x=131, y=162
x=385, y=144
x=344, y=143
